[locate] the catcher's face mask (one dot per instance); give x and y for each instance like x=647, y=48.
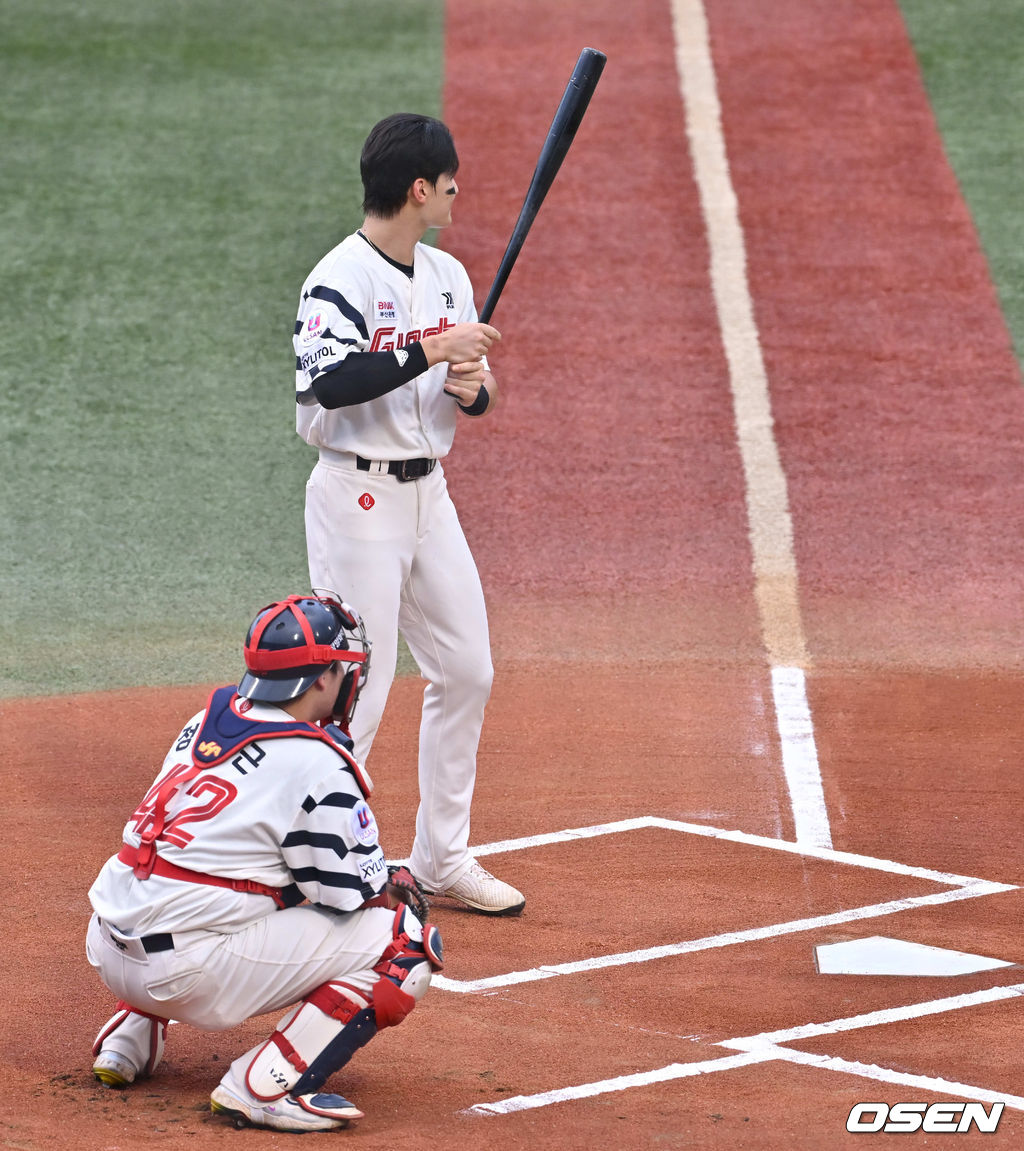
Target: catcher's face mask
x=356, y=657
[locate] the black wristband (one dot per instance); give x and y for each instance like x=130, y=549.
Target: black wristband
x=479, y=405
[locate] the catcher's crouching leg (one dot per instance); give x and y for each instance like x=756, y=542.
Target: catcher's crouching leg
x=278, y=1084
x=129, y=1046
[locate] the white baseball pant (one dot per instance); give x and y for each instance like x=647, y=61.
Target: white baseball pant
x=403, y=563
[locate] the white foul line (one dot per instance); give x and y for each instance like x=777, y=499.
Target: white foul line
x=800, y=757
x=767, y=501
x=769, y=524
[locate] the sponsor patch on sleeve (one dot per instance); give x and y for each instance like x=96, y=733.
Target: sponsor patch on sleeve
x=364, y=826
x=313, y=327
x=373, y=867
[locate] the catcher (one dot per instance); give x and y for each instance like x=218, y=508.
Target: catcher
x=251, y=880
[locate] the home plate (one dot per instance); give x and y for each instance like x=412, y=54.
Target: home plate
x=879, y=955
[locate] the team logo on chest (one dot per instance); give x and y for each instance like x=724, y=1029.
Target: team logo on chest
x=387, y=339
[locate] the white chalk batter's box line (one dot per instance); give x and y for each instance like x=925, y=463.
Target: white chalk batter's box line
x=960, y=887
x=766, y=1047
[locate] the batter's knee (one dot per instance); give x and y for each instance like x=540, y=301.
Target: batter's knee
x=483, y=680
x=465, y=676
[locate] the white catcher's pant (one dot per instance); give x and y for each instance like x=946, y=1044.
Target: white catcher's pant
x=404, y=564
x=215, y=980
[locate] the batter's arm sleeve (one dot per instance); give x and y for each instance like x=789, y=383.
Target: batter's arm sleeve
x=364, y=376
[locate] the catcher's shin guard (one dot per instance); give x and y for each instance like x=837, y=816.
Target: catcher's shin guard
x=315, y=1039
x=404, y=969
x=321, y=1034
x=137, y=1036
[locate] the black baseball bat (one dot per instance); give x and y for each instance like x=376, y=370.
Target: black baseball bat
x=568, y=118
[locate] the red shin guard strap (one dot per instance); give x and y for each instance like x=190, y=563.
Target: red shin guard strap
x=332, y=1001
x=289, y=1052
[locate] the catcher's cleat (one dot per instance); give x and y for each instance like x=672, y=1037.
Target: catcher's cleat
x=484, y=893
x=297, y=1113
x=114, y=1070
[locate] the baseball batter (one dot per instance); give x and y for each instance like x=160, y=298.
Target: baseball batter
x=388, y=352
x=258, y=807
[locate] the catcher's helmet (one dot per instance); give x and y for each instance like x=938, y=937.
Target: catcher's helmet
x=291, y=643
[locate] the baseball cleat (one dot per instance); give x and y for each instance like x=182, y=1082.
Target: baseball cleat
x=289, y=1113
x=114, y=1070
x=484, y=893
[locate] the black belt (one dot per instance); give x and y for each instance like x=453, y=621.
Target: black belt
x=161, y=941
x=402, y=470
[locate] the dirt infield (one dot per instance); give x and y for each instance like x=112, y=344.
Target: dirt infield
x=632, y=705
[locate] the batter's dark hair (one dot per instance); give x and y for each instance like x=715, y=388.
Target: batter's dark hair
x=399, y=150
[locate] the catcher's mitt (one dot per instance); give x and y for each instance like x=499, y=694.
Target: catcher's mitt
x=403, y=888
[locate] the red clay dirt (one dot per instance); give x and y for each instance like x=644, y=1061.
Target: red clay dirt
x=604, y=502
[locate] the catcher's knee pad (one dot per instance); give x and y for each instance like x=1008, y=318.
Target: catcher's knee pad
x=405, y=968
x=135, y=1034
x=315, y=1039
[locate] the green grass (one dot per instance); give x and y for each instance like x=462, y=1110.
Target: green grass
x=971, y=54
x=171, y=171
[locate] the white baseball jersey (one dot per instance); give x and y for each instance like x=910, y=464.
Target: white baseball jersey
x=358, y=300
x=285, y=810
